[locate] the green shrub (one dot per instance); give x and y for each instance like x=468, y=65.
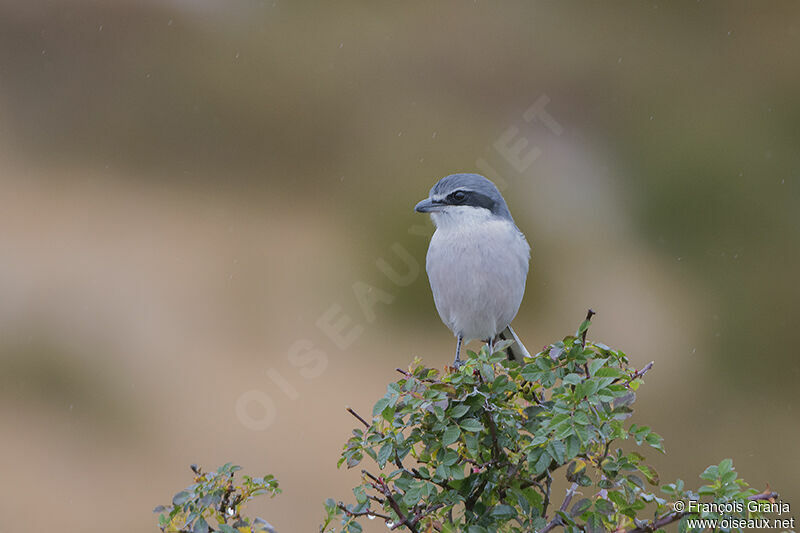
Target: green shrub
x=477, y=449
x=214, y=503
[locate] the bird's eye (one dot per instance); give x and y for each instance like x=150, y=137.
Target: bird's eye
x=458, y=197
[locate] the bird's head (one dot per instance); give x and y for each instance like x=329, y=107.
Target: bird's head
x=461, y=197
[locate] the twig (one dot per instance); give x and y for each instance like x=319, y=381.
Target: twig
x=368, y=512
x=589, y=316
x=350, y=410
x=637, y=374
x=548, y=484
x=380, y=485
x=643, y=371
x=668, y=518
x=557, y=519
x=568, y=497
x=397, y=460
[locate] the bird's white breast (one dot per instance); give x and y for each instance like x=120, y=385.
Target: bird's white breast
x=477, y=264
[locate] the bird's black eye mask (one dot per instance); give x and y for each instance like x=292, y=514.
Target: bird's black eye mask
x=471, y=198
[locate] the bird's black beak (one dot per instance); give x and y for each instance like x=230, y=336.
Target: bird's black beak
x=425, y=206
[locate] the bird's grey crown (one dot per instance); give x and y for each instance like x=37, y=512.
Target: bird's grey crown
x=480, y=193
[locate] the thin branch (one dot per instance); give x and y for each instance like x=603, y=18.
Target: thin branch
x=548, y=484
x=368, y=512
x=381, y=485
x=637, y=374
x=668, y=518
x=409, y=375
x=643, y=371
x=568, y=497
x=422, y=512
x=350, y=410
x=557, y=519
x=589, y=316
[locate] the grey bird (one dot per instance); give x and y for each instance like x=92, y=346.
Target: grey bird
x=477, y=261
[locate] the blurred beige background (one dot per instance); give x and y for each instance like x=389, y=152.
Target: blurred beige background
x=187, y=187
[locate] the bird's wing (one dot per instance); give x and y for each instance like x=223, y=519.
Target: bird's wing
x=516, y=350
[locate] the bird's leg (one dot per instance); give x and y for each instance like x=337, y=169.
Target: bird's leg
x=457, y=361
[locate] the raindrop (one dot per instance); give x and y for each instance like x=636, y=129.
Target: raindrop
x=236, y=56
x=341, y=45
x=399, y=133
x=169, y=22
x=651, y=117
x=729, y=33
x=434, y=135
x=100, y=28
x=619, y=60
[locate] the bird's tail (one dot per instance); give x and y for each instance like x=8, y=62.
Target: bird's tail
x=516, y=350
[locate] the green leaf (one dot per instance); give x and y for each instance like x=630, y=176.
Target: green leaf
x=581, y=418
x=181, y=498
x=542, y=463
x=200, y=526
x=583, y=327
x=471, y=424
x=595, y=365
x=609, y=372
x=594, y=523
x=604, y=507
x=450, y=435
x=503, y=512
x=557, y=451
x=580, y=507
x=384, y=453
x=573, y=446
x=360, y=494
x=459, y=410
x=380, y=405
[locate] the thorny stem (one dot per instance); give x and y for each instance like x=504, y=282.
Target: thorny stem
x=380, y=485
x=567, y=499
